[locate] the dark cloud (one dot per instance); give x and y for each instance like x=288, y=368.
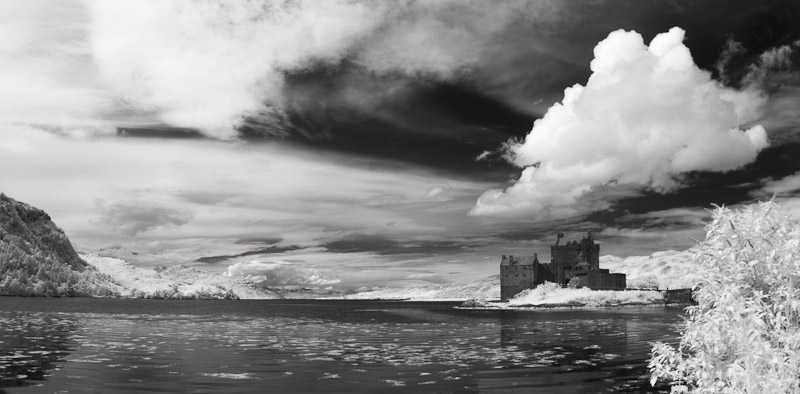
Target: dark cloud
x=160, y=131
x=255, y=252
x=385, y=246
x=258, y=240
x=206, y=197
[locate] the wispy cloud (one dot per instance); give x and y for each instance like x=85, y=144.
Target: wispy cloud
x=212, y=64
x=131, y=217
x=778, y=60
x=46, y=72
x=163, y=190
x=694, y=217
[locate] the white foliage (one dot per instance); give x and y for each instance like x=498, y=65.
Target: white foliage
x=744, y=334
x=36, y=258
x=551, y=294
x=175, y=282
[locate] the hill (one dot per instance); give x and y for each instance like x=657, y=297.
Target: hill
x=37, y=259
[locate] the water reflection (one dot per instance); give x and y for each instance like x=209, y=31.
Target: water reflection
x=349, y=347
x=564, y=341
x=563, y=351
x=31, y=345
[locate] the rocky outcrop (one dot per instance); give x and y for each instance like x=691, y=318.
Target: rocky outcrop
x=31, y=230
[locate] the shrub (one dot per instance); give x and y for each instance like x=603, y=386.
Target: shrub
x=744, y=334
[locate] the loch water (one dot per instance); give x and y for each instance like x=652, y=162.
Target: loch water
x=51, y=345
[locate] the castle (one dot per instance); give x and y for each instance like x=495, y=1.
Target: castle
x=576, y=263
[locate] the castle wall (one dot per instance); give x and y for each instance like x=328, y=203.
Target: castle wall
x=514, y=279
x=599, y=280
x=679, y=296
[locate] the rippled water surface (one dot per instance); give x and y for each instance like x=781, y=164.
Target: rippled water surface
x=131, y=346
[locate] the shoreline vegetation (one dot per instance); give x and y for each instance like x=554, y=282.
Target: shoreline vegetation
x=743, y=336
x=500, y=307
x=550, y=295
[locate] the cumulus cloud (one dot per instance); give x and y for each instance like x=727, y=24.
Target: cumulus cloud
x=279, y=273
x=646, y=115
x=134, y=217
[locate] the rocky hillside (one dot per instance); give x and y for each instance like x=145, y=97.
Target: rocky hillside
x=37, y=259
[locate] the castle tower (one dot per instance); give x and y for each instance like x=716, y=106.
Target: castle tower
x=589, y=252
x=565, y=257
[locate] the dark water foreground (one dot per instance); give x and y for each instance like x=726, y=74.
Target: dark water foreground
x=133, y=346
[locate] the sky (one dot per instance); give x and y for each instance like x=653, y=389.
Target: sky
x=370, y=143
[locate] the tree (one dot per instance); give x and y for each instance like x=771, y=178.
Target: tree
x=744, y=334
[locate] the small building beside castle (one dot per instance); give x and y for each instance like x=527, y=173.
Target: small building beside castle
x=573, y=263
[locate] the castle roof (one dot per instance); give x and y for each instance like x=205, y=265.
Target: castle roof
x=519, y=260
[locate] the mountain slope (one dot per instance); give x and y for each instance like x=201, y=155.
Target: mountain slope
x=174, y=282
x=37, y=259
